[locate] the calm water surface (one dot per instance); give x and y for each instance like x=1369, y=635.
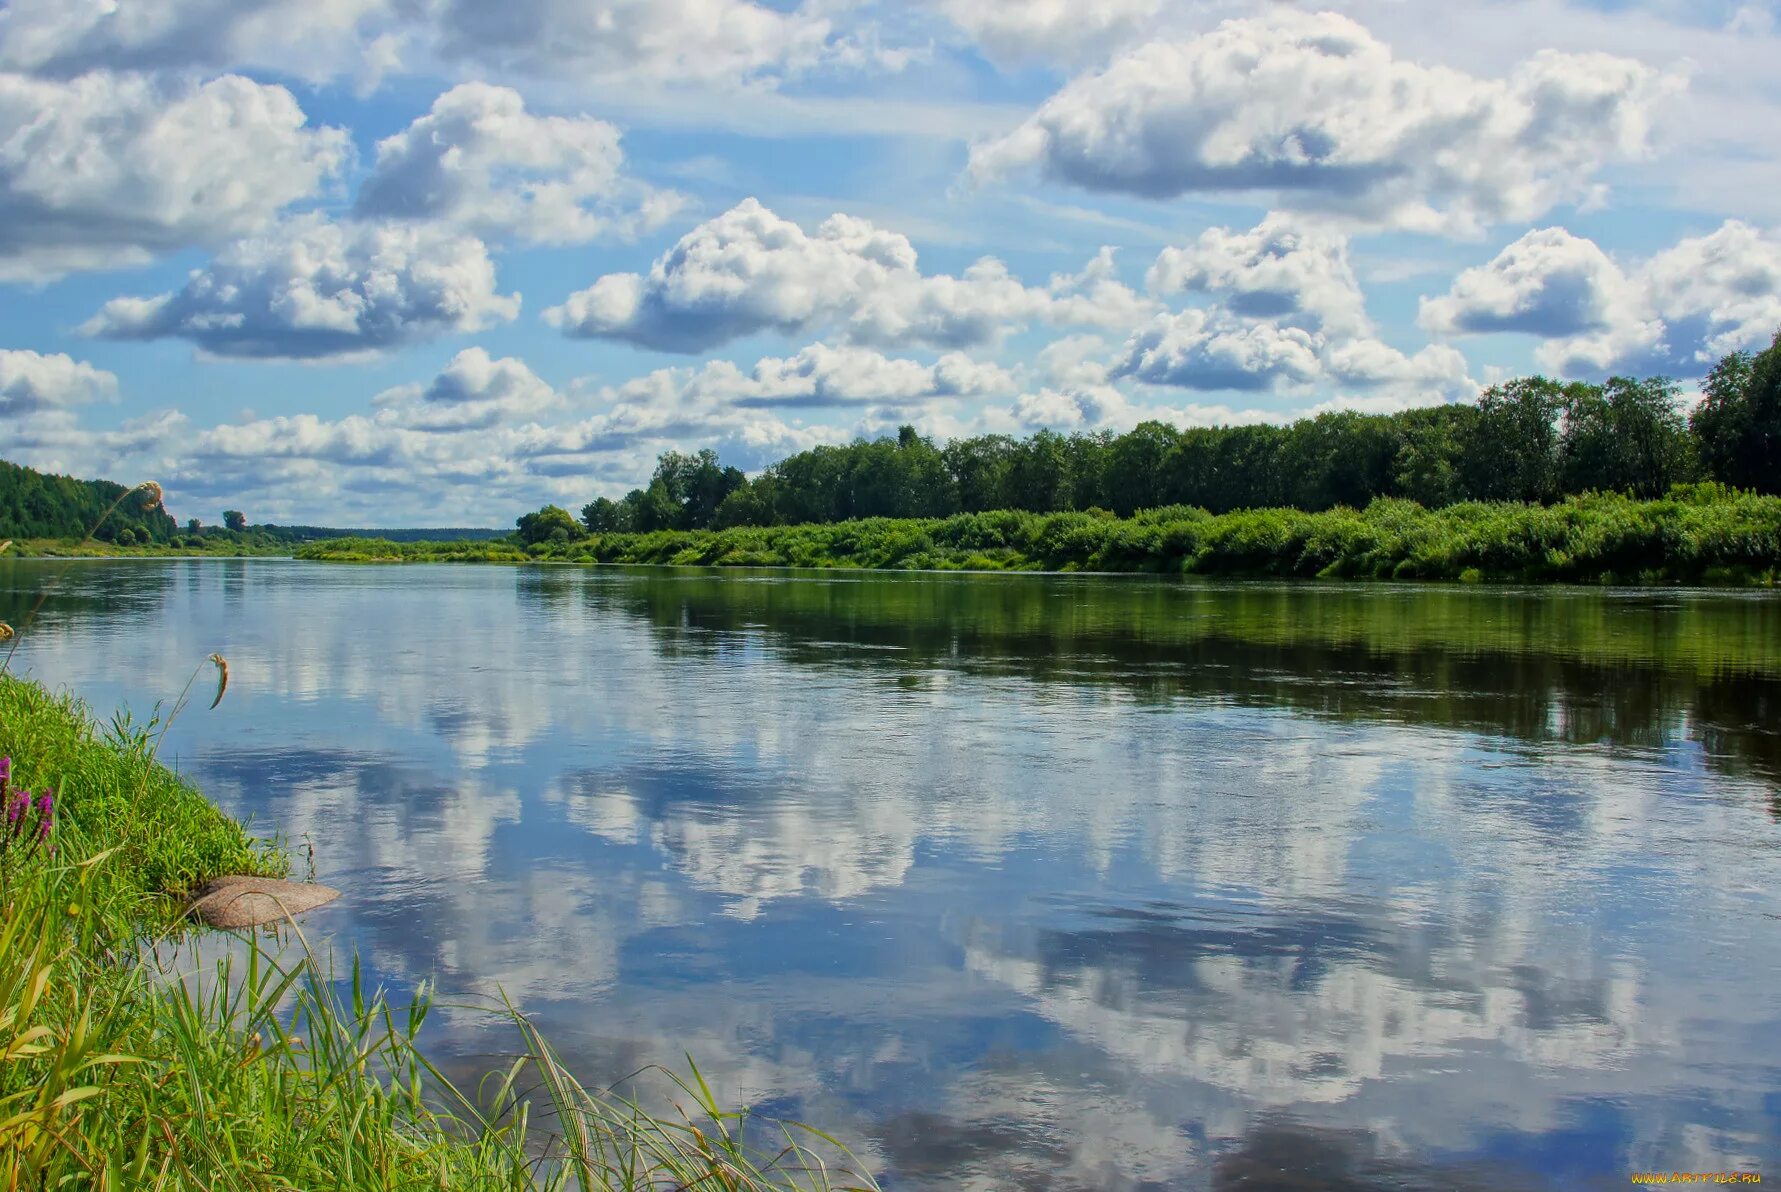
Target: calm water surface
x=1023, y=882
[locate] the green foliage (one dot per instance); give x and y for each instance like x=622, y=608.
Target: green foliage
x=1697, y=533
x=1738, y=423
x=1626, y=436
x=234, y=519
x=550, y=524
x=34, y=504
x=112, y=795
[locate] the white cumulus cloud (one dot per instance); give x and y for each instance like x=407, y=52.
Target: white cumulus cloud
x=1315, y=111
x=68, y=37
x=1214, y=350
x=680, y=40
x=1048, y=30
x=35, y=382
x=314, y=289
x=748, y=271
x=1282, y=268
x=109, y=169
x=1195, y=349
x=821, y=375
x=480, y=160
x=1284, y=313
x=723, y=42
x=1676, y=312
x=474, y=391
x=1548, y=283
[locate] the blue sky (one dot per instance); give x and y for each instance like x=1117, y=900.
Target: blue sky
x=368, y=262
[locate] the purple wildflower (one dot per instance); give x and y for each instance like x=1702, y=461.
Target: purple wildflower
x=5, y=774
x=46, y=814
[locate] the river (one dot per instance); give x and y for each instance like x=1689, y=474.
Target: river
x=1024, y=882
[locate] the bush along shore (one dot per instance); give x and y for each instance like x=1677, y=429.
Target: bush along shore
x=119, y=1074
x=1697, y=534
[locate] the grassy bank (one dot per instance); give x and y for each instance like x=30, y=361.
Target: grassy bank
x=73, y=548
x=119, y=1073
x=1697, y=534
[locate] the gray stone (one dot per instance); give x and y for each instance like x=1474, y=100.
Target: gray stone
x=238, y=901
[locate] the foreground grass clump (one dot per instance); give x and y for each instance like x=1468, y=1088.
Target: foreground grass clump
x=125, y=1066
x=111, y=796
x=1697, y=534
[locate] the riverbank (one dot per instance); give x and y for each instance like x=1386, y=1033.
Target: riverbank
x=120, y=1074
x=70, y=548
x=1699, y=534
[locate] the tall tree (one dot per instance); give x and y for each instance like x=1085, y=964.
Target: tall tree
x=1624, y=436
x=603, y=515
x=1511, y=451
x=1737, y=426
x=1427, y=465
x=550, y=524
x=979, y=469
x=1137, y=472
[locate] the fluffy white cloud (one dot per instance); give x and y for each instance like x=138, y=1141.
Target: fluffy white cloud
x=1676, y=312
x=1286, y=314
x=66, y=37
x=1195, y=349
x=1054, y=30
x=354, y=439
x=748, y=271
x=109, y=169
x=706, y=41
x=820, y=375
x=1313, y=109
x=1548, y=283
x=665, y=409
x=1282, y=268
x=313, y=289
x=719, y=404
x=33, y=382
x=474, y=392
x=478, y=425
x=480, y=160
x=686, y=40
x=54, y=440
x=1212, y=350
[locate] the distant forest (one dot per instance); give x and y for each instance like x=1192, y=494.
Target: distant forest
x=1530, y=440
x=35, y=505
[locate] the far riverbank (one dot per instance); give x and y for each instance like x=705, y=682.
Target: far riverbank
x=1698, y=534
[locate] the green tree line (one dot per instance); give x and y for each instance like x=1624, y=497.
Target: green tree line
x=1696, y=534
x=1532, y=440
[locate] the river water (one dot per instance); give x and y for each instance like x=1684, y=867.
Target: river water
x=1030, y=882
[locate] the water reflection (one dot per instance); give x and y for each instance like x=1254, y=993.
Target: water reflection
x=1037, y=883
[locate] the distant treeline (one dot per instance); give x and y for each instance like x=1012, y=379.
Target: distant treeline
x=1530, y=440
x=38, y=505
x=1700, y=533
x=295, y=534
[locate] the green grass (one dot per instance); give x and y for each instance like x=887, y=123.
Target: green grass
x=1699, y=534
x=111, y=795
x=74, y=548
x=120, y=1070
